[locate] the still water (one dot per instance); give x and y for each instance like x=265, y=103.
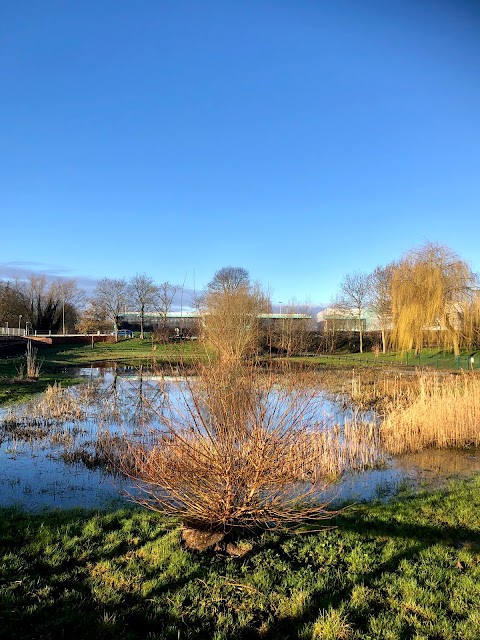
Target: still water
x=58, y=467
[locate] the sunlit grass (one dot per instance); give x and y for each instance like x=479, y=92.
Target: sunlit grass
x=409, y=569
x=429, y=358
x=130, y=350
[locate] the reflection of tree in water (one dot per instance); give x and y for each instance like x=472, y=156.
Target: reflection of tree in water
x=146, y=400
x=110, y=400
x=132, y=400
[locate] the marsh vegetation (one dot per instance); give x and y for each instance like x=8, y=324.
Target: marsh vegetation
x=309, y=431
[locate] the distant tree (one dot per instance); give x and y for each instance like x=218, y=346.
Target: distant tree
x=290, y=333
x=144, y=294
x=229, y=279
x=13, y=304
x=354, y=296
x=93, y=319
x=52, y=305
x=166, y=294
x=431, y=289
x=110, y=297
x=231, y=307
x=381, y=299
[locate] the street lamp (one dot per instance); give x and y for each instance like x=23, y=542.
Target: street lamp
x=26, y=327
x=19, y=321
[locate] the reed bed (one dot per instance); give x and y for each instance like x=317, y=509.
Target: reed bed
x=444, y=411
x=353, y=445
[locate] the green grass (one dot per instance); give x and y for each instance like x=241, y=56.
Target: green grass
x=13, y=390
x=57, y=363
x=432, y=358
x=130, y=351
x=406, y=570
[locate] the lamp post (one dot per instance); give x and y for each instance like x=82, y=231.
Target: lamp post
x=26, y=327
x=19, y=321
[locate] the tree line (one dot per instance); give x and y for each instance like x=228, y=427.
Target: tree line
x=38, y=303
x=429, y=296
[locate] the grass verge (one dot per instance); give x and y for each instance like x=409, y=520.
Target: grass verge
x=409, y=569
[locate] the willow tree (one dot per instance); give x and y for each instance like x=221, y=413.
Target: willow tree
x=431, y=288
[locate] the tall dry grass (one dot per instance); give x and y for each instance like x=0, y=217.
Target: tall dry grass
x=29, y=368
x=443, y=411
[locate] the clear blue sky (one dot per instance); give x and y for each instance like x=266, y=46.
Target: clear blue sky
x=300, y=139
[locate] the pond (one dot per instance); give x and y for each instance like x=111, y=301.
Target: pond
x=51, y=455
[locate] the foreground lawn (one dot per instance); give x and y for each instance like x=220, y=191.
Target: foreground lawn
x=409, y=569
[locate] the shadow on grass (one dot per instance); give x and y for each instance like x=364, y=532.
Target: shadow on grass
x=100, y=586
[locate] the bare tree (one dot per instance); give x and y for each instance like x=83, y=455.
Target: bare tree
x=228, y=280
x=381, y=299
x=231, y=323
x=166, y=294
x=111, y=296
x=290, y=333
x=231, y=308
x=13, y=304
x=144, y=294
x=354, y=296
x=52, y=305
x=93, y=318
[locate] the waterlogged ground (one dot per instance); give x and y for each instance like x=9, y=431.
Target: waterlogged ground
x=51, y=451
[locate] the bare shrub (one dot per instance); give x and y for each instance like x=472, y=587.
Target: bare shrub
x=232, y=452
x=444, y=412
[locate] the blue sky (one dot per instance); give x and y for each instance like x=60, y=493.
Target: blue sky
x=302, y=140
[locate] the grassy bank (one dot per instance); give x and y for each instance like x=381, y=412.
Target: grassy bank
x=409, y=569
x=13, y=389
x=57, y=363
x=428, y=358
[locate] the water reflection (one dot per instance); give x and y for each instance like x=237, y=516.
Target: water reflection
x=54, y=458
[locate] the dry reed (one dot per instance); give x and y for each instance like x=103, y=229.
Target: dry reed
x=444, y=412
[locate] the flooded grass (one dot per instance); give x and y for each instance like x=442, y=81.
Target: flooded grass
x=78, y=432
